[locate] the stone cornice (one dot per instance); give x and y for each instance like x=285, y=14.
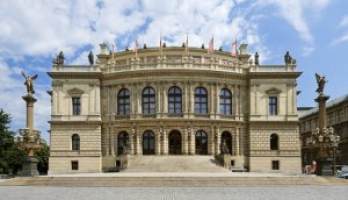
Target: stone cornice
x=273, y=75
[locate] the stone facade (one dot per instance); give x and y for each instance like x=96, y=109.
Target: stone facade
x=196, y=124
x=337, y=117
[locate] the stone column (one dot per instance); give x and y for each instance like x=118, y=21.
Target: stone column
x=139, y=142
x=185, y=142
x=192, y=142
x=158, y=100
x=211, y=140
x=321, y=99
x=217, y=141
x=165, y=142
x=237, y=142
x=29, y=100
x=113, y=142
x=158, y=143
x=191, y=100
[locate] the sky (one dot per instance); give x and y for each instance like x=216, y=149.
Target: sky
x=33, y=32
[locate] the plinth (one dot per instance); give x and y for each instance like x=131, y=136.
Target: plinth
x=30, y=141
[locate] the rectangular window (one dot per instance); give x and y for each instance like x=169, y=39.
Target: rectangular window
x=273, y=105
x=76, y=103
x=74, y=165
x=275, y=164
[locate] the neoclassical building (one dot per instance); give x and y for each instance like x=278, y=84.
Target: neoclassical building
x=174, y=101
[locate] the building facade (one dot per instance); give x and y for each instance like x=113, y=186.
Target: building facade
x=174, y=101
x=337, y=118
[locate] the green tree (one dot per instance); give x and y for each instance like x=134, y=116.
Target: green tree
x=11, y=157
x=42, y=156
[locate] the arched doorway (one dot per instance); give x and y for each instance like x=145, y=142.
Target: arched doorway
x=148, y=143
x=174, y=142
x=201, y=143
x=226, y=143
x=122, y=143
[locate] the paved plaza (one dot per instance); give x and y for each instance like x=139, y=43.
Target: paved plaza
x=173, y=193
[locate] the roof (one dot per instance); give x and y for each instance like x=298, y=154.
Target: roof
x=329, y=104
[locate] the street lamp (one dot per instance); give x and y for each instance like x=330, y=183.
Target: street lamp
x=329, y=140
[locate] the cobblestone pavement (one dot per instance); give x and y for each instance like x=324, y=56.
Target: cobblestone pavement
x=173, y=193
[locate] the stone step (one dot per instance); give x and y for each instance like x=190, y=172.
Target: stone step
x=171, y=181
x=173, y=163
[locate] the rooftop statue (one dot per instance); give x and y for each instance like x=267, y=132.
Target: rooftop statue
x=59, y=60
x=256, y=58
x=91, y=58
x=29, y=82
x=321, y=80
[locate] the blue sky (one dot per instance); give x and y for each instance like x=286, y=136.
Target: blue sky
x=33, y=32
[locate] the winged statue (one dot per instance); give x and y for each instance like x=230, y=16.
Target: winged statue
x=321, y=80
x=29, y=82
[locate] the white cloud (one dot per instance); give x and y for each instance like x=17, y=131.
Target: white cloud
x=343, y=24
x=294, y=12
x=344, y=21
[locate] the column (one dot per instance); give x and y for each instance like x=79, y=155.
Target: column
x=185, y=141
x=138, y=100
x=139, y=142
x=217, y=141
x=211, y=98
x=158, y=143
x=192, y=142
x=158, y=100
x=131, y=144
x=241, y=140
x=191, y=99
x=237, y=142
x=164, y=100
x=165, y=142
x=217, y=100
x=113, y=142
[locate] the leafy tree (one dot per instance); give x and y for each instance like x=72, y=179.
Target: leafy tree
x=42, y=156
x=11, y=157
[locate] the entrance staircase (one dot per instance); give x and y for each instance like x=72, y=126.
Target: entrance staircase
x=173, y=163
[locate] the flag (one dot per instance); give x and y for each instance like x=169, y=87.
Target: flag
x=136, y=47
x=186, y=44
x=160, y=43
x=211, y=45
x=234, y=51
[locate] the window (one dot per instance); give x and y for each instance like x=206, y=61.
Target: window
x=76, y=103
x=174, y=100
x=201, y=100
x=74, y=165
x=75, y=141
x=275, y=164
x=149, y=101
x=273, y=105
x=274, y=142
x=225, y=102
x=123, y=102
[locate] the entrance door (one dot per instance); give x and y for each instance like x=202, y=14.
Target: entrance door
x=201, y=143
x=175, y=143
x=148, y=143
x=226, y=143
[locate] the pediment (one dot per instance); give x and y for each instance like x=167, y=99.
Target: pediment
x=273, y=91
x=75, y=91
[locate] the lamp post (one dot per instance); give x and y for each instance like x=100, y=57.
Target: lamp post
x=326, y=140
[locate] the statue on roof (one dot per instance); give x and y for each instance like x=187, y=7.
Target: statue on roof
x=287, y=58
x=91, y=58
x=256, y=58
x=29, y=82
x=59, y=60
x=321, y=80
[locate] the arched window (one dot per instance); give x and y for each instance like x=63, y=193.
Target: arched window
x=274, y=142
x=201, y=100
x=123, y=102
x=148, y=143
x=225, y=102
x=75, y=141
x=122, y=142
x=174, y=100
x=149, y=101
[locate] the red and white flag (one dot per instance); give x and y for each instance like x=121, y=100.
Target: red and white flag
x=234, y=51
x=211, y=45
x=136, y=47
